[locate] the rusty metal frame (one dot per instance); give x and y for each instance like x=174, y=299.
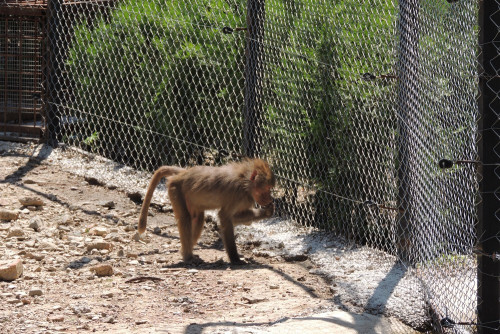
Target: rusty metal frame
x=22, y=70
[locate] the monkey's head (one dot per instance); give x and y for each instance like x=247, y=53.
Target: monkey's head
x=262, y=180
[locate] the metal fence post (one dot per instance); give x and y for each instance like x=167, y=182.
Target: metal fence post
x=53, y=71
x=408, y=105
x=253, y=82
x=488, y=309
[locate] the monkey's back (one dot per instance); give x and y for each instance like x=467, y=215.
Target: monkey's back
x=208, y=188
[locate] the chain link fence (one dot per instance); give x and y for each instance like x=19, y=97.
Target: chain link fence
x=367, y=111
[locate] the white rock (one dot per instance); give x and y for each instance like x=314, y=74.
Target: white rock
x=31, y=201
x=56, y=318
x=15, y=232
x=37, y=257
x=102, y=270
x=100, y=231
x=47, y=245
x=99, y=245
x=11, y=269
x=8, y=214
x=35, y=292
x=35, y=223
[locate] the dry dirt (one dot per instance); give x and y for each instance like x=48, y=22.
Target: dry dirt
x=168, y=295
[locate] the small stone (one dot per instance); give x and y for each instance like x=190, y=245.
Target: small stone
x=141, y=322
x=114, y=237
x=11, y=269
x=20, y=294
x=35, y=292
x=84, y=326
x=35, y=223
x=273, y=287
x=8, y=214
x=109, y=320
x=129, y=228
x=99, y=245
x=15, y=232
x=107, y=294
x=47, y=245
x=157, y=230
x=77, y=296
x=30, y=243
x=108, y=204
x=37, y=257
x=253, y=300
x=100, y=231
x=65, y=220
x=64, y=228
x=192, y=271
x=80, y=309
x=31, y=201
x=102, y=270
x=56, y=318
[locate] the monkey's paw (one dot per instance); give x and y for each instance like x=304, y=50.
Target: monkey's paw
x=269, y=210
x=194, y=260
x=238, y=262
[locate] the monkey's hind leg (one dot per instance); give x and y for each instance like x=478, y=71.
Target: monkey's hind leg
x=183, y=222
x=197, y=226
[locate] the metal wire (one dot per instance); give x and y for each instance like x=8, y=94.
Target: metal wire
x=158, y=82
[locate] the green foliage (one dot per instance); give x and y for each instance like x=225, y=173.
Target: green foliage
x=317, y=100
x=160, y=72
x=160, y=77
x=91, y=140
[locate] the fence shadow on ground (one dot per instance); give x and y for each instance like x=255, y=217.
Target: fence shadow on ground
x=367, y=322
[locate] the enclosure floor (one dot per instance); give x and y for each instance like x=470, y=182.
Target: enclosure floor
x=285, y=286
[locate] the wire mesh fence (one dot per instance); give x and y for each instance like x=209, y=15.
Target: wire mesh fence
x=367, y=111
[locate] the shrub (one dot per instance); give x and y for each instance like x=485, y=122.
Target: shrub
x=154, y=80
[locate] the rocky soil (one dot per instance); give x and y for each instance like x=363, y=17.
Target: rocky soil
x=82, y=270
x=67, y=234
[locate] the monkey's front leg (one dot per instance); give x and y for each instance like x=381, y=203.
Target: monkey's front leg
x=247, y=217
x=227, y=231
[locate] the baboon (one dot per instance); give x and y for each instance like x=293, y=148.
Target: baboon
x=232, y=188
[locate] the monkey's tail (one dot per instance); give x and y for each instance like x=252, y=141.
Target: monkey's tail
x=163, y=171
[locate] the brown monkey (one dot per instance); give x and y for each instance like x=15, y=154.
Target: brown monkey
x=233, y=188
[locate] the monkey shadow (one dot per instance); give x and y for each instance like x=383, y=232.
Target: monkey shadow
x=250, y=264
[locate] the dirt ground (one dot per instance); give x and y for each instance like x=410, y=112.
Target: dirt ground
x=82, y=224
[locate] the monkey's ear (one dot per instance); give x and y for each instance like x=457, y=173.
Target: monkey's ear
x=252, y=177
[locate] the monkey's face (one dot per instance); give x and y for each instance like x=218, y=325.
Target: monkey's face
x=262, y=195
